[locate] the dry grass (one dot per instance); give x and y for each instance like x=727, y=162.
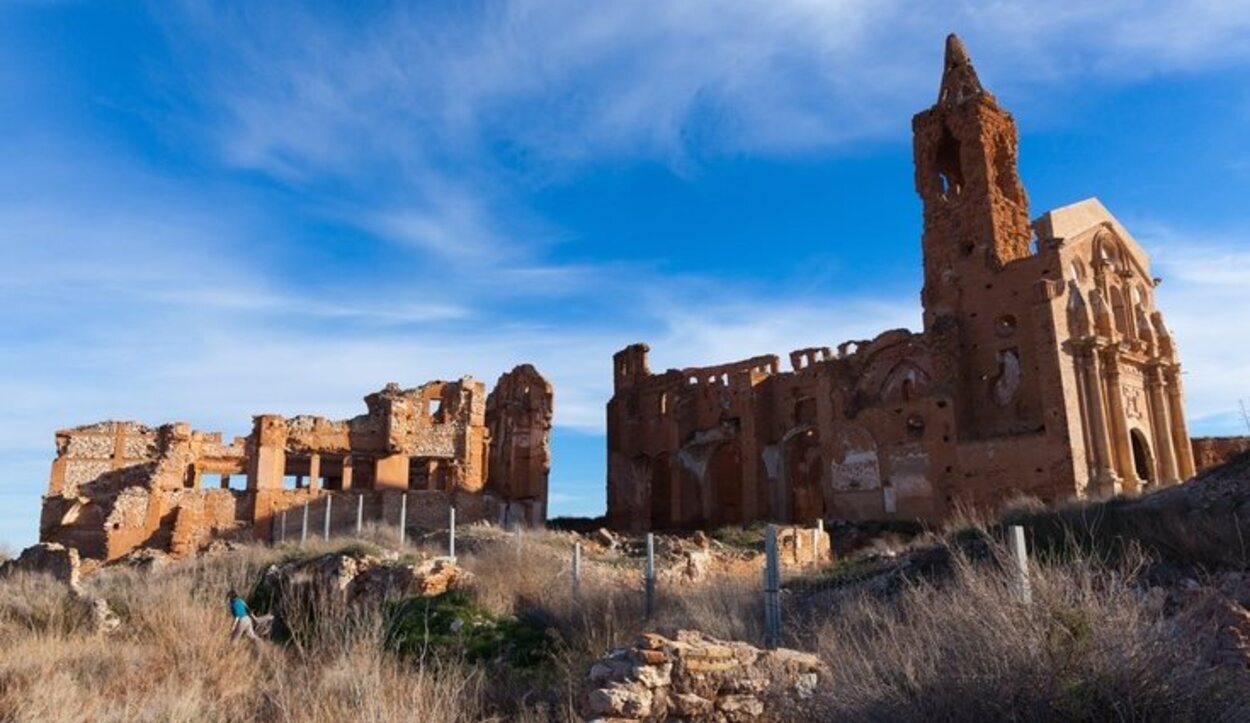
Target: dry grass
x=172, y=660
x=958, y=649
x=1087, y=649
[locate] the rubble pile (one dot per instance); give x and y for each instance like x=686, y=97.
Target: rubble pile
x=691, y=676
x=364, y=578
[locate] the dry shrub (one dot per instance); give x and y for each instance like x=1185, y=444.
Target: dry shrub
x=958, y=649
x=172, y=659
x=1087, y=649
x=37, y=605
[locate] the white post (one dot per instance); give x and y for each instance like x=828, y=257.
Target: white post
x=451, y=532
x=649, y=575
x=282, y=536
x=325, y=532
x=820, y=538
x=360, y=513
x=1020, y=556
x=772, y=589
x=577, y=569
x=403, y=518
x=303, y=529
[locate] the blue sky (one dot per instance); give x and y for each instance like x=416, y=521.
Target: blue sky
x=211, y=210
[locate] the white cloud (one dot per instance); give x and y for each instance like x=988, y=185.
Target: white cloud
x=127, y=296
x=427, y=124
x=1205, y=301
x=565, y=81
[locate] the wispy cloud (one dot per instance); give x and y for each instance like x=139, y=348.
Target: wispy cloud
x=424, y=129
x=429, y=123
x=564, y=81
x=1204, y=299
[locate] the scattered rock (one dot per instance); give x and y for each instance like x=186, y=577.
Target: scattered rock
x=217, y=547
x=353, y=579
x=103, y=619
x=605, y=538
x=691, y=676
x=147, y=559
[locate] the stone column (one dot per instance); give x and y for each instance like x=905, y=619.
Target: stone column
x=1179, y=428
x=1117, y=428
x=268, y=465
x=314, y=472
x=1105, y=479
x=1159, y=419
x=347, y=471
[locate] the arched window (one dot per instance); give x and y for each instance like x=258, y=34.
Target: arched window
x=947, y=164
x=1119, y=310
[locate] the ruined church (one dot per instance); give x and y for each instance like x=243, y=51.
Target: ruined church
x=1044, y=368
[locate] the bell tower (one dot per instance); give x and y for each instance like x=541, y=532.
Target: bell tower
x=976, y=215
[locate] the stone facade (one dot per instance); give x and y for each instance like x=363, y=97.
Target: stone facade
x=1044, y=368
x=118, y=486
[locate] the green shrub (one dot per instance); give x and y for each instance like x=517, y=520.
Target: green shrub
x=452, y=623
x=749, y=538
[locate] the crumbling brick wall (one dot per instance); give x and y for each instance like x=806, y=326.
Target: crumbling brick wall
x=1214, y=451
x=518, y=417
x=117, y=486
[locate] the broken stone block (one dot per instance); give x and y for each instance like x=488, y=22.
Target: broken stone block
x=47, y=558
x=700, y=676
x=624, y=701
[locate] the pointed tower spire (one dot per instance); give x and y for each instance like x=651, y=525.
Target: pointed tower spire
x=959, y=78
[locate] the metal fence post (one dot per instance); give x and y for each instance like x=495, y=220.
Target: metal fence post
x=649, y=575
x=282, y=536
x=303, y=528
x=451, y=532
x=360, y=513
x=772, y=589
x=403, y=518
x=325, y=532
x=1020, y=556
x=577, y=569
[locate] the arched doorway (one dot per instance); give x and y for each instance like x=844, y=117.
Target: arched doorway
x=725, y=478
x=661, y=494
x=1143, y=459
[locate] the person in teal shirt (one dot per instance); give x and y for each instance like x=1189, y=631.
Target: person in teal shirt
x=242, y=618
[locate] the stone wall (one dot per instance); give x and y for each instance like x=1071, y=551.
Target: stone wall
x=518, y=418
x=1214, y=451
x=118, y=486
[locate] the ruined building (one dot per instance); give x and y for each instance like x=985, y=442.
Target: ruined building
x=117, y=486
x=1044, y=368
